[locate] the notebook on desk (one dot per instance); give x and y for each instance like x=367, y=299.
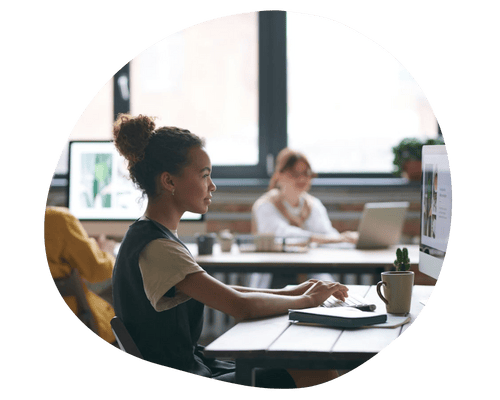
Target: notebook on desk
x=341, y=317
x=380, y=227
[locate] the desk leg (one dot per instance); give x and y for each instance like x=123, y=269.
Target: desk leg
x=244, y=373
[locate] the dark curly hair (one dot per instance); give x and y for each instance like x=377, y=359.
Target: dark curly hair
x=151, y=151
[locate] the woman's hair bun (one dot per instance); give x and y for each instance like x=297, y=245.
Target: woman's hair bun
x=131, y=135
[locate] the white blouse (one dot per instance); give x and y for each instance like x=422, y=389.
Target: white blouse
x=268, y=219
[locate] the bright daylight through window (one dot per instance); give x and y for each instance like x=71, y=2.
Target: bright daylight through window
x=349, y=101
x=205, y=79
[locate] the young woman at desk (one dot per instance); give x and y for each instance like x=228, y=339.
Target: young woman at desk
x=288, y=210
x=159, y=291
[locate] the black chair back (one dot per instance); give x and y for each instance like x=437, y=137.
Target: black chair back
x=72, y=285
x=123, y=337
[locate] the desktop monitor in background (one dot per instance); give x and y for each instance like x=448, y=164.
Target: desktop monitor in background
x=436, y=209
x=100, y=192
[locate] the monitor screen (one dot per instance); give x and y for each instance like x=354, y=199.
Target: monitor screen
x=436, y=209
x=99, y=187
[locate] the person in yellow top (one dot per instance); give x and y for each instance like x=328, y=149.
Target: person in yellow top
x=68, y=247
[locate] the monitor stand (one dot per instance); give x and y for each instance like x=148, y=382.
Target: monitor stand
x=424, y=300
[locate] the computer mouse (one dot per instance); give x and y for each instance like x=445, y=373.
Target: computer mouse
x=366, y=307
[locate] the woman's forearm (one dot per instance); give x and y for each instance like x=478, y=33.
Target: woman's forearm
x=323, y=239
x=262, y=304
x=289, y=290
x=243, y=289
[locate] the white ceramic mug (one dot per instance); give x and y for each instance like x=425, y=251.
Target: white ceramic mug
x=265, y=242
x=226, y=244
x=398, y=286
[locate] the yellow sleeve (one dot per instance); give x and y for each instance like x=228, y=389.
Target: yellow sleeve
x=83, y=252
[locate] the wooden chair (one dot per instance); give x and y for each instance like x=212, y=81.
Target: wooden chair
x=125, y=341
x=72, y=285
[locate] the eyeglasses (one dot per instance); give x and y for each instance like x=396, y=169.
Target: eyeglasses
x=296, y=175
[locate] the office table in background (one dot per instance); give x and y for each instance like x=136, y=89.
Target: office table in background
x=316, y=260
x=277, y=343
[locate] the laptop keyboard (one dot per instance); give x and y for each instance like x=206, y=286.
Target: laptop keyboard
x=351, y=301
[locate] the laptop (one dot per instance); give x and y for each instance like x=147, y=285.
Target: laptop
x=381, y=224
x=380, y=227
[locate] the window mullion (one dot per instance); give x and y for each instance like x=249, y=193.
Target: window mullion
x=272, y=85
x=121, y=91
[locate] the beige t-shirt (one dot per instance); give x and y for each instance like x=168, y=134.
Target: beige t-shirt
x=163, y=264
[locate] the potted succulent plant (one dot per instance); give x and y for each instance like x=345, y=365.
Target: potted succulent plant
x=408, y=157
x=402, y=262
x=397, y=285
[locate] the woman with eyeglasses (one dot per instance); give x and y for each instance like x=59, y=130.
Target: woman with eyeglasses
x=288, y=210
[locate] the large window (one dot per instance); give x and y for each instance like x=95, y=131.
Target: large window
x=95, y=123
x=205, y=79
x=349, y=101
x=253, y=83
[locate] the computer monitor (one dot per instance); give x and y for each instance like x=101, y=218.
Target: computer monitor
x=100, y=193
x=436, y=209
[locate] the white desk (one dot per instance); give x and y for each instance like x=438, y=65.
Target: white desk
x=277, y=343
x=320, y=259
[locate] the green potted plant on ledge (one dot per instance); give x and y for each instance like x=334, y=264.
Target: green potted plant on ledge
x=408, y=157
